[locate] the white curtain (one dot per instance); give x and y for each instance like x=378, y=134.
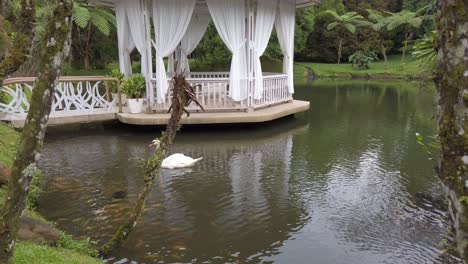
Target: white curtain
x=125, y=40
x=230, y=21
x=266, y=13
x=197, y=28
x=171, y=19
x=285, y=22
x=170, y=64
x=136, y=21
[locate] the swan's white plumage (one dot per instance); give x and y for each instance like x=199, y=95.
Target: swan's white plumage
x=178, y=161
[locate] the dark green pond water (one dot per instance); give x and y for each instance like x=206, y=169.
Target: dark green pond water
x=345, y=182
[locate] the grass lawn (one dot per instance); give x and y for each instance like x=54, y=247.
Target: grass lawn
x=411, y=69
x=69, y=250
x=27, y=253
x=8, y=141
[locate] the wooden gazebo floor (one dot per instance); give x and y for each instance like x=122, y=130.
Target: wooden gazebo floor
x=257, y=116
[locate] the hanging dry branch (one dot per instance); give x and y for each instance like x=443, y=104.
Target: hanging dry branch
x=182, y=95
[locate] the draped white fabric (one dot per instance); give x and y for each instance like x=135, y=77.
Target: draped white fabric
x=137, y=23
x=285, y=22
x=266, y=13
x=197, y=28
x=125, y=40
x=171, y=19
x=230, y=21
x=170, y=63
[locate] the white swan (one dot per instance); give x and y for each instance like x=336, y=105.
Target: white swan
x=178, y=161
x=175, y=161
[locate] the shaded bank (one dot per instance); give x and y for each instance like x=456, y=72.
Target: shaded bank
x=68, y=250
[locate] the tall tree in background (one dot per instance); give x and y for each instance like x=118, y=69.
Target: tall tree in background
x=88, y=18
x=451, y=112
x=53, y=47
x=16, y=29
x=409, y=21
x=377, y=21
x=347, y=21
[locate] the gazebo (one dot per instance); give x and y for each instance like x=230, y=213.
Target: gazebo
x=245, y=26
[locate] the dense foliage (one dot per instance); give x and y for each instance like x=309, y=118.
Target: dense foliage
x=361, y=59
x=134, y=86
x=383, y=27
x=115, y=73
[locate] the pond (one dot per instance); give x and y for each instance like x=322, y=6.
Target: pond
x=345, y=182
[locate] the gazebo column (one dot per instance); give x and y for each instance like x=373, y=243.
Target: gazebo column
x=250, y=36
x=149, y=83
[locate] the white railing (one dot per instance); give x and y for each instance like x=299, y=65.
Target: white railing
x=209, y=75
x=212, y=94
x=73, y=96
x=275, y=91
x=212, y=91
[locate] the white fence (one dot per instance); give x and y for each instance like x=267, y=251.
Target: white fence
x=212, y=92
x=73, y=96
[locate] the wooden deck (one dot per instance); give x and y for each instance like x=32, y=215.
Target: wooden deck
x=257, y=116
x=88, y=99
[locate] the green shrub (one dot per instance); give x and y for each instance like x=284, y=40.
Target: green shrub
x=115, y=73
x=361, y=59
x=424, y=50
x=36, y=188
x=134, y=87
x=84, y=246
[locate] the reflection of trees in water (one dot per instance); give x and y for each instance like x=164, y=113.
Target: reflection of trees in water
x=366, y=161
x=235, y=201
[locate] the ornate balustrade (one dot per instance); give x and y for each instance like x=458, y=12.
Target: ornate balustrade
x=76, y=96
x=212, y=91
x=73, y=96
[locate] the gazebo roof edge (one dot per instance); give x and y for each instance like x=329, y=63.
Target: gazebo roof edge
x=299, y=3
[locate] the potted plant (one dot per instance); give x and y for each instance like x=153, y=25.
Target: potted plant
x=115, y=73
x=134, y=87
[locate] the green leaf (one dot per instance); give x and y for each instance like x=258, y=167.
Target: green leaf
x=81, y=15
x=332, y=25
x=350, y=27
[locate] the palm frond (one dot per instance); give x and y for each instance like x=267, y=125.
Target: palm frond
x=81, y=15
x=101, y=24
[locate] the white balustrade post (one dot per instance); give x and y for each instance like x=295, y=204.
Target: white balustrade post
x=250, y=33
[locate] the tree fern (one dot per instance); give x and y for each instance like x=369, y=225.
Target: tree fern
x=99, y=17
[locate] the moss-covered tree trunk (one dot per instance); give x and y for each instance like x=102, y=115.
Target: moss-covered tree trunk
x=53, y=48
x=179, y=100
x=21, y=24
x=452, y=117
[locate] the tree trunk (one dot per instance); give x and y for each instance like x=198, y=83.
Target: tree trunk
x=451, y=113
x=87, y=48
x=405, y=45
x=408, y=36
x=22, y=25
x=339, y=50
x=152, y=166
x=384, y=53
x=54, y=46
